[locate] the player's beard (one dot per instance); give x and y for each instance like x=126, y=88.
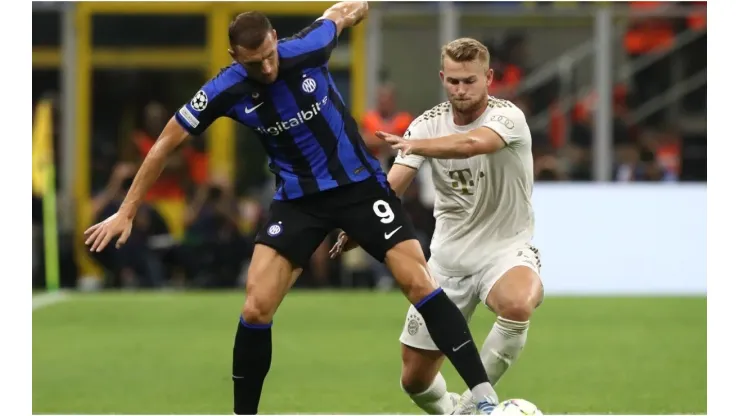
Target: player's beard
x=468, y=106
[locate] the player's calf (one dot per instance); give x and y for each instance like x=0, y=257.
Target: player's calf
x=419, y=369
x=270, y=276
x=422, y=381
x=514, y=298
x=446, y=324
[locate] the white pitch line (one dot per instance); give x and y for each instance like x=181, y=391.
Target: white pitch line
x=48, y=299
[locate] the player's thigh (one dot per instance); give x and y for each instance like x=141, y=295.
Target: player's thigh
x=512, y=287
x=293, y=231
x=373, y=216
x=376, y=220
x=269, y=278
x=283, y=247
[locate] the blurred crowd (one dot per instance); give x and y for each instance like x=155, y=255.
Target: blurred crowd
x=197, y=229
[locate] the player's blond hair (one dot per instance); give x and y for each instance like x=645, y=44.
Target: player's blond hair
x=466, y=50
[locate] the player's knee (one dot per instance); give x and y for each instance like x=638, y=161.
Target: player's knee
x=516, y=295
x=515, y=309
x=412, y=382
x=257, y=311
x=406, y=263
x=418, y=289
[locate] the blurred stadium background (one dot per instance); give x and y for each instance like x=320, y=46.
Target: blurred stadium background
x=615, y=95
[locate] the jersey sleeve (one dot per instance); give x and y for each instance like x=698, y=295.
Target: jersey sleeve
x=311, y=46
x=509, y=123
x=417, y=130
x=212, y=101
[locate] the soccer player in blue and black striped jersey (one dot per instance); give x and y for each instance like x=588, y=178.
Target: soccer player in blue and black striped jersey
x=325, y=179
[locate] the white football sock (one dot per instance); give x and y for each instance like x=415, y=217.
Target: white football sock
x=435, y=400
x=501, y=348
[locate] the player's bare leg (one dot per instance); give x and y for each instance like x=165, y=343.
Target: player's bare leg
x=513, y=298
x=269, y=278
x=422, y=381
x=446, y=324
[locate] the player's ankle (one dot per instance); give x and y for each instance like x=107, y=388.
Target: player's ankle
x=483, y=391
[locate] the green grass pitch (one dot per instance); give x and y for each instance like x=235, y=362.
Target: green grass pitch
x=338, y=352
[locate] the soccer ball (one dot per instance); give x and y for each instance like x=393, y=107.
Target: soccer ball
x=516, y=407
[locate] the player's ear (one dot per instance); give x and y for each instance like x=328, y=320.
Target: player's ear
x=232, y=54
x=489, y=76
x=441, y=76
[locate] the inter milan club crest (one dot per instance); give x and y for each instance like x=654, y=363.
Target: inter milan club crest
x=309, y=85
x=275, y=229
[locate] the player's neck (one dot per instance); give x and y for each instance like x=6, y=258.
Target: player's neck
x=464, y=118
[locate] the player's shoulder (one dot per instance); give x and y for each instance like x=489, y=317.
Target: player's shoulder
x=432, y=116
x=226, y=79
x=323, y=26
x=225, y=87
x=502, y=106
x=320, y=34
x=505, y=112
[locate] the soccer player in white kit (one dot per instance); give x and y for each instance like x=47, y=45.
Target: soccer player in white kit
x=480, y=151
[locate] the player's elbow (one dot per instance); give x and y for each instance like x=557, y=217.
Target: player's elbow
x=362, y=8
x=475, y=145
x=469, y=147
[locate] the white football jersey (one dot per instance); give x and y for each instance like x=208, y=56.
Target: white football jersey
x=483, y=204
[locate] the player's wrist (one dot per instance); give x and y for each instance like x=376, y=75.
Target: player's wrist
x=414, y=146
x=127, y=210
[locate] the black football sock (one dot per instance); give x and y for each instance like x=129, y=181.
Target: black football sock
x=449, y=331
x=251, y=362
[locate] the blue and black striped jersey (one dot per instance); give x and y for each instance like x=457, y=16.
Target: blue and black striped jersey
x=312, y=141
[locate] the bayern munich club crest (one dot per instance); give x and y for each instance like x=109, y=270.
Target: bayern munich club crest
x=275, y=229
x=413, y=324
x=309, y=85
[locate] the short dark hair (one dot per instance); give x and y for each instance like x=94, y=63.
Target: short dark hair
x=249, y=30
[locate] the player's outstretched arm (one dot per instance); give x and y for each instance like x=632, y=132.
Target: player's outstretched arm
x=456, y=146
x=99, y=235
x=171, y=137
x=503, y=127
x=346, y=14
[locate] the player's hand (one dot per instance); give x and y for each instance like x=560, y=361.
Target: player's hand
x=396, y=142
x=100, y=234
x=344, y=243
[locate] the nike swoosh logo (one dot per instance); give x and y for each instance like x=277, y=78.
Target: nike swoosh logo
x=249, y=110
x=455, y=349
x=390, y=234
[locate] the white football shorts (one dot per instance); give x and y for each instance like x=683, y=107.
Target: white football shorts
x=467, y=291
